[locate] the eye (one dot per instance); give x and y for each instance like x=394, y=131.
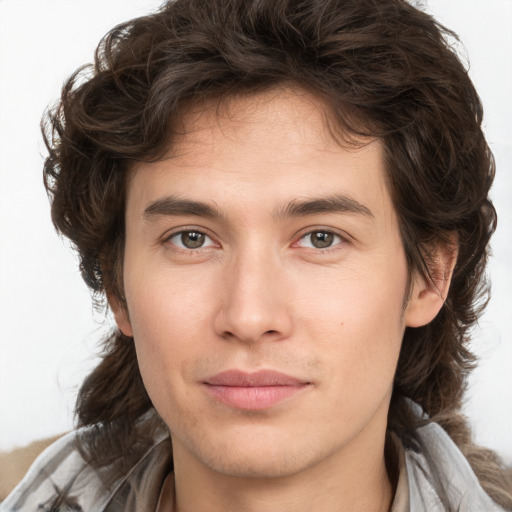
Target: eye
x=191, y=239
x=319, y=239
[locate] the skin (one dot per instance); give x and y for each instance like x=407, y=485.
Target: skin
x=261, y=294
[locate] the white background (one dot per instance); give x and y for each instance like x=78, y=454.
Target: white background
x=48, y=331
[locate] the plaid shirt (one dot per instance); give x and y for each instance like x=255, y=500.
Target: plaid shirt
x=62, y=468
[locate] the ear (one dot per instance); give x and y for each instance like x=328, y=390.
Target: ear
x=428, y=295
x=121, y=316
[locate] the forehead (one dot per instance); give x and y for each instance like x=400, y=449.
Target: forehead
x=269, y=148
x=286, y=116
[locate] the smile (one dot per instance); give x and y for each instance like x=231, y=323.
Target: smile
x=253, y=391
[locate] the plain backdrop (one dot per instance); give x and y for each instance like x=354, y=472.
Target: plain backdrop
x=49, y=332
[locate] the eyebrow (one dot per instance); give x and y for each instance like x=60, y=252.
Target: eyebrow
x=174, y=206
x=169, y=206
x=330, y=204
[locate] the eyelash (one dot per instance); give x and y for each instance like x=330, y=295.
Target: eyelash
x=176, y=234
x=338, y=239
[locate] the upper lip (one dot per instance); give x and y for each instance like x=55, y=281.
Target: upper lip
x=260, y=378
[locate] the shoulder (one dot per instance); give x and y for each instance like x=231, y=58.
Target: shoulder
x=438, y=474
x=15, y=463
x=60, y=479
x=60, y=468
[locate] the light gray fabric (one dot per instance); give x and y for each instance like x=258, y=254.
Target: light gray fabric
x=439, y=468
x=61, y=466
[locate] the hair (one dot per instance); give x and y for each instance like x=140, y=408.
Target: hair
x=383, y=69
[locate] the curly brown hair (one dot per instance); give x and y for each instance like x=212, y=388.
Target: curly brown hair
x=383, y=69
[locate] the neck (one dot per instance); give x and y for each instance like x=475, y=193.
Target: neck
x=352, y=480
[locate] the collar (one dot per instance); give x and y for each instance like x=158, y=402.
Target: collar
x=435, y=475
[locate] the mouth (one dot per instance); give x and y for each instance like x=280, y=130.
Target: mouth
x=253, y=391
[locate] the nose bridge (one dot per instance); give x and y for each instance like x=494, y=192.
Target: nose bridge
x=253, y=305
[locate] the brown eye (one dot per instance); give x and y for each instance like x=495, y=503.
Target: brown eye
x=320, y=239
x=192, y=239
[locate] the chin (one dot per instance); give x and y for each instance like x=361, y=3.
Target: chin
x=249, y=459
x=272, y=466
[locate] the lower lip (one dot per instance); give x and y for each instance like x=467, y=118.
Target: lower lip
x=253, y=398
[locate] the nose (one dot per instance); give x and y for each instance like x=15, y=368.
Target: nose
x=254, y=303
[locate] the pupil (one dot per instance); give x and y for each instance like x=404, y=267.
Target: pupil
x=320, y=239
x=192, y=239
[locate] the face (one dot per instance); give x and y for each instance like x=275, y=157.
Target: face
x=265, y=282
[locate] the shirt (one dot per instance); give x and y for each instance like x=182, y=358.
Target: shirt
x=440, y=465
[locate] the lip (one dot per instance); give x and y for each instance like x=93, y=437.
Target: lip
x=253, y=391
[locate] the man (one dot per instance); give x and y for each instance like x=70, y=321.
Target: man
x=286, y=206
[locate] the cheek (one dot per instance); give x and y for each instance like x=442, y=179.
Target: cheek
x=357, y=326
x=164, y=300
x=163, y=347
x=363, y=299
x=168, y=316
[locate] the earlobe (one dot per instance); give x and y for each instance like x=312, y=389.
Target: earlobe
x=428, y=295
x=121, y=317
